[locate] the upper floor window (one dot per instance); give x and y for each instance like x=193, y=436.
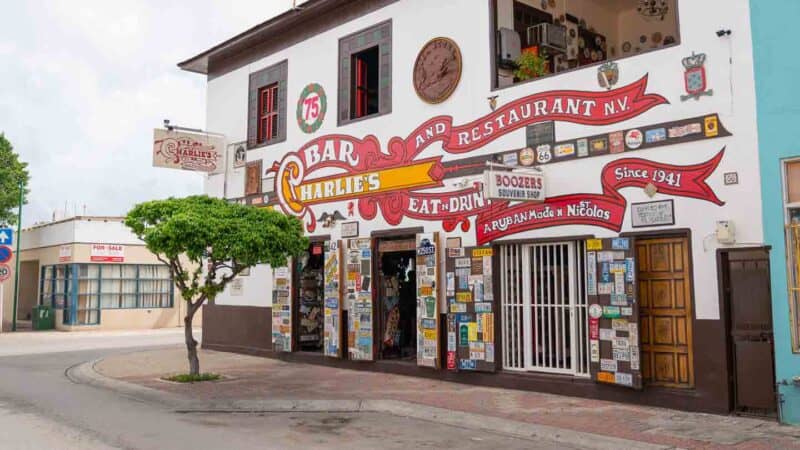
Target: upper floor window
x=535, y=38
x=364, y=83
x=267, y=113
x=365, y=73
x=266, y=123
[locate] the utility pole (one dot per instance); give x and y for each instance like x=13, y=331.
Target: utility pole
x=16, y=270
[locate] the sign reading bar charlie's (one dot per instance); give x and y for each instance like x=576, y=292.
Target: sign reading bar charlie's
x=188, y=151
x=514, y=186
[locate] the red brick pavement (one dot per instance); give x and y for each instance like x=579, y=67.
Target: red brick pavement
x=253, y=378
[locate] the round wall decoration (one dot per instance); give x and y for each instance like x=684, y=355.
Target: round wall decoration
x=311, y=107
x=437, y=70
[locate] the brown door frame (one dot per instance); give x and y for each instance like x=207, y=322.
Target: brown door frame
x=294, y=296
x=377, y=306
x=725, y=314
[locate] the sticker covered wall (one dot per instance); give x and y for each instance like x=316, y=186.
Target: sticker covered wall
x=358, y=297
x=613, y=312
x=427, y=262
x=470, y=309
x=282, y=309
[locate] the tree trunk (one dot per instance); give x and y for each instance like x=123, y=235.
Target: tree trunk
x=191, y=344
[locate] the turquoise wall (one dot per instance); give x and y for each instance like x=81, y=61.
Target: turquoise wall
x=777, y=68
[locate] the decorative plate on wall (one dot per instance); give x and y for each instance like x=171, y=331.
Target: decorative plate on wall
x=437, y=70
x=626, y=47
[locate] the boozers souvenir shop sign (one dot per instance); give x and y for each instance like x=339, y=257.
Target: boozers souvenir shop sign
x=511, y=186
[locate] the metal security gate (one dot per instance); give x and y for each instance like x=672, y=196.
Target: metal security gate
x=544, y=309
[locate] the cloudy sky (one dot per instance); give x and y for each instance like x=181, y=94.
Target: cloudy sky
x=84, y=82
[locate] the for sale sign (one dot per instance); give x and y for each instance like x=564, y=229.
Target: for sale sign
x=107, y=253
x=514, y=186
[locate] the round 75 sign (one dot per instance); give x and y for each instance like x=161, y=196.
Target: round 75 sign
x=5, y=272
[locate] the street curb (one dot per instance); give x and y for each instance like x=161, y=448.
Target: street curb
x=86, y=373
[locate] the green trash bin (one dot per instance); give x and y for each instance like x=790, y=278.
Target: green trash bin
x=42, y=318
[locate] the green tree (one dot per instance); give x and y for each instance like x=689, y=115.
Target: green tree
x=207, y=242
x=12, y=171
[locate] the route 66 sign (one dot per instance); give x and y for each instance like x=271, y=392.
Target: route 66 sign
x=543, y=155
x=694, y=77
x=311, y=107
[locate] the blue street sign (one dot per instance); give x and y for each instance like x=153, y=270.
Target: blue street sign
x=5, y=254
x=6, y=236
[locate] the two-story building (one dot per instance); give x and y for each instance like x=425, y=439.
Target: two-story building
x=557, y=195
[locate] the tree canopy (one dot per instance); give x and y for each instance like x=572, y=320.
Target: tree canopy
x=226, y=237
x=12, y=170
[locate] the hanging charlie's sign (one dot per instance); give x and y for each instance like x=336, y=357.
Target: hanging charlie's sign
x=188, y=151
x=362, y=171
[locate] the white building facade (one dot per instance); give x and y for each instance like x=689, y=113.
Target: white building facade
x=373, y=122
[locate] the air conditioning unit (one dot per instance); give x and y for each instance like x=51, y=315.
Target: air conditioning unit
x=510, y=47
x=549, y=36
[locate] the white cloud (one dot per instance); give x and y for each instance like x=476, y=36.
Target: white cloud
x=84, y=83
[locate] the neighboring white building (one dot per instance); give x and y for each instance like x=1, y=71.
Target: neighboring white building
x=356, y=111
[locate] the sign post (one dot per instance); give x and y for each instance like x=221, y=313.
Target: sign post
x=16, y=272
x=5, y=273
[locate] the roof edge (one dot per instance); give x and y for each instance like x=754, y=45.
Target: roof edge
x=199, y=62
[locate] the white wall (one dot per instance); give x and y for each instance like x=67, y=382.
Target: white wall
x=81, y=230
x=467, y=22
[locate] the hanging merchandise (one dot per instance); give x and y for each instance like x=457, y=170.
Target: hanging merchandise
x=282, y=309
x=333, y=307
x=310, y=305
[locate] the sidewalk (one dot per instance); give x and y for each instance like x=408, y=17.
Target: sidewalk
x=253, y=378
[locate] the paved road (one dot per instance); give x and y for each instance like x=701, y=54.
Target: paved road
x=41, y=408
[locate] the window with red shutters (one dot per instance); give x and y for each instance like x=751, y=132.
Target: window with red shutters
x=364, y=83
x=267, y=113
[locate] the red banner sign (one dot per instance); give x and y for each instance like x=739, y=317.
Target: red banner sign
x=339, y=167
x=606, y=210
x=583, y=107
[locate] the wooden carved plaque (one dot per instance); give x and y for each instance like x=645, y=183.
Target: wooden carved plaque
x=437, y=70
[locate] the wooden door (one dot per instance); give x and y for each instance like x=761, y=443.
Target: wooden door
x=665, y=310
x=747, y=292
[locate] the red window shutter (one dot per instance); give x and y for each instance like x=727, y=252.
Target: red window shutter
x=267, y=113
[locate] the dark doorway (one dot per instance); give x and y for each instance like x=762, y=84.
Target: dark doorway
x=746, y=291
x=309, y=297
x=397, y=298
